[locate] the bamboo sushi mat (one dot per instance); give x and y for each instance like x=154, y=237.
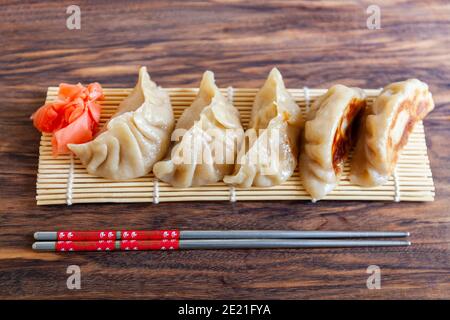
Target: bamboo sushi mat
x=64, y=180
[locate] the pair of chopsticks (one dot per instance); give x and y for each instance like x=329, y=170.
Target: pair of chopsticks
x=138, y=240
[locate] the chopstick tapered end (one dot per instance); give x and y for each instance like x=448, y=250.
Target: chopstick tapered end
x=44, y=246
x=45, y=236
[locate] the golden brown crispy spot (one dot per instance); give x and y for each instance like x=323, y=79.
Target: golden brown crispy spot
x=344, y=137
x=416, y=110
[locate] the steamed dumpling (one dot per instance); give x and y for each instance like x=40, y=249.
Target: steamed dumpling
x=269, y=156
x=385, y=130
x=211, y=133
x=327, y=138
x=137, y=135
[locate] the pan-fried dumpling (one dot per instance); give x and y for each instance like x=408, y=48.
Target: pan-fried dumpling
x=269, y=155
x=211, y=133
x=136, y=136
x=385, y=130
x=327, y=138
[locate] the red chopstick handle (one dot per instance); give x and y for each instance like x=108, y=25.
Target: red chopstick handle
x=117, y=235
x=144, y=245
x=86, y=235
x=149, y=235
x=102, y=245
x=111, y=245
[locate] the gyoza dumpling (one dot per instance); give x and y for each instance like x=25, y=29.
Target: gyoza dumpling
x=385, y=130
x=137, y=135
x=328, y=137
x=269, y=155
x=211, y=134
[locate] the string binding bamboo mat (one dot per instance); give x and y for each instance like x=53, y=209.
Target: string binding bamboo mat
x=64, y=180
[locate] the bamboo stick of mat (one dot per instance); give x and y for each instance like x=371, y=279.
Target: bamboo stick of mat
x=175, y=244
x=208, y=234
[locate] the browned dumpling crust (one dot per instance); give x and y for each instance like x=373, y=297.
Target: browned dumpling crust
x=328, y=137
x=345, y=135
x=386, y=127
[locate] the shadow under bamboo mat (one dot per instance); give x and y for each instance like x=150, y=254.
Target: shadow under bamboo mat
x=64, y=180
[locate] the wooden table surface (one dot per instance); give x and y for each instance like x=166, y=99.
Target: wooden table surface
x=313, y=43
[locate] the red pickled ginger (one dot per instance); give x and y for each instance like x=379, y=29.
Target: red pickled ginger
x=73, y=117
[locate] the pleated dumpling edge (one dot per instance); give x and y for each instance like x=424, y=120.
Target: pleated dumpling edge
x=385, y=130
x=327, y=138
x=210, y=121
x=269, y=155
x=135, y=137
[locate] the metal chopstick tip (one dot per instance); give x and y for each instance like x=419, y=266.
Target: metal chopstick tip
x=44, y=246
